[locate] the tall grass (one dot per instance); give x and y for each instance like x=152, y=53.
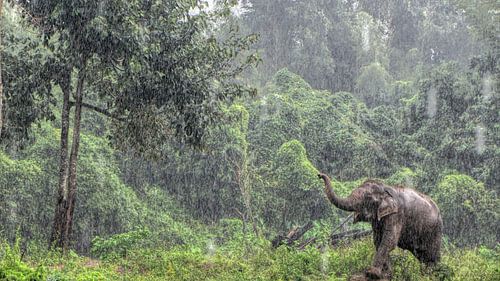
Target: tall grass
x=243, y=258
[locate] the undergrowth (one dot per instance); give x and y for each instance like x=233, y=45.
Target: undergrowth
x=241, y=258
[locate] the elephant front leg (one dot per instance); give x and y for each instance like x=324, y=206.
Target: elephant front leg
x=377, y=239
x=388, y=241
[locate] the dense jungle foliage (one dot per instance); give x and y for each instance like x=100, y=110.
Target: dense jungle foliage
x=179, y=137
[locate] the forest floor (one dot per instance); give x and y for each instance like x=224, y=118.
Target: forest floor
x=255, y=260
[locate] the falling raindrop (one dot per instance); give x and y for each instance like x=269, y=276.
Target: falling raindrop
x=263, y=111
x=324, y=260
x=100, y=7
x=366, y=37
x=487, y=87
x=210, y=247
x=408, y=181
x=480, y=138
x=431, y=103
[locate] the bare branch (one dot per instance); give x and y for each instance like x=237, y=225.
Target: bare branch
x=100, y=110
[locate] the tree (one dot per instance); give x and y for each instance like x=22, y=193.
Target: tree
x=332, y=127
x=470, y=211
x=153, y=66
x=311, y=38
x=236, y=153
x=81, y=36
x=25, y=94
x=373, y=86
x=372, y=35
x=297, y=186
x=450, y=119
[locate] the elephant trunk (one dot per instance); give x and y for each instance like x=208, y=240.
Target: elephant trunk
x=346, y=204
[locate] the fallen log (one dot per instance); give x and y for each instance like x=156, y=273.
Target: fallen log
x=297, y=232
x=292, y=236
x=343, y=223
x=309, y=241
x=349, y=235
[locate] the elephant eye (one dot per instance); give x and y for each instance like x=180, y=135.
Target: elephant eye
x=371, y=200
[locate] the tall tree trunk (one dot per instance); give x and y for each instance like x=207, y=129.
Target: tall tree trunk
x=242, y=179
x=1, y=83
x=248, y=199
x=56, y=237
x=66, y=197
x=73, y=160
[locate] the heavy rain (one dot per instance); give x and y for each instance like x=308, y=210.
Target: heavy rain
x=249, y=140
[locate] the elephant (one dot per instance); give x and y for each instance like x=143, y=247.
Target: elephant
x=399, y=216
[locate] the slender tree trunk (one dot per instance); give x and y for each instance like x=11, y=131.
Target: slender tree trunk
x=56, y=237
x=242, y=179
x=73, y=160
x=248, y=200
x=66, y=197
x=1, y=83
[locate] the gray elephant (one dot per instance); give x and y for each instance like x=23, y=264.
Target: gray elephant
x=399, y=217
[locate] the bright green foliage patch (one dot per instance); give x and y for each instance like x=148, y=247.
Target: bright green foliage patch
x=295, y=179
x=467, y=208
x=404, y=177
x=12, y=268
x=477, y=264
x=294, y=169
x=118, y=245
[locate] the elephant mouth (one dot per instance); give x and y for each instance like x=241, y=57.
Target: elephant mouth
x=359, y=217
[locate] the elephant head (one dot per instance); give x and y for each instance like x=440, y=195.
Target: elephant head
x=371, y=201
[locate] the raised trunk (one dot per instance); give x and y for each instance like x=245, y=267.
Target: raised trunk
x=56, y=237
x=73, y=160
x=346, y=204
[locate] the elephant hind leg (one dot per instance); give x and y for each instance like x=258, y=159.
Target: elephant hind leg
x=431, y=253
x=429, y=257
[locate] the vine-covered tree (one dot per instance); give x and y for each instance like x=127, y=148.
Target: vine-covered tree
x=154, y=66
x=299, y=192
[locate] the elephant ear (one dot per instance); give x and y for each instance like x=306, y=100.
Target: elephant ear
x=387, y=207
x=391, y=191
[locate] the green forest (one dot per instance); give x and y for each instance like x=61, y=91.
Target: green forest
x=182, y=139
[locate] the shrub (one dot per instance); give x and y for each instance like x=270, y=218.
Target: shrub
x=470, y=212
x=118, y=245
x=12, y=268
